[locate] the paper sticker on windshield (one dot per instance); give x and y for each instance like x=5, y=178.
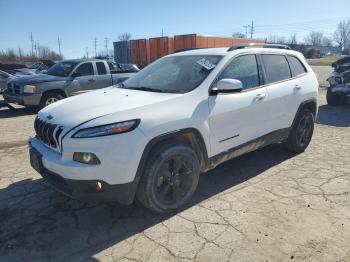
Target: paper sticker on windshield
x=206, y=63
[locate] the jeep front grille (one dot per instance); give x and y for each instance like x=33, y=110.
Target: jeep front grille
x=48, y=133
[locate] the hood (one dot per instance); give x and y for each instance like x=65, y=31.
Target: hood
x=25, y=71
x=37, y=78
x=76, y=110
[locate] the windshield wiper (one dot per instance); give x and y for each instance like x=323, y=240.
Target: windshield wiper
x=143, y=88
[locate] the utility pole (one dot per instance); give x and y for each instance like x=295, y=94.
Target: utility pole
x=246, y=30
x=95, y=41
x=106, y=45
x=32, y=41
x=20, y=53
x=87, y=52
x=36, y=50
x=252, y=30
x=59, y=45
x=162, y=33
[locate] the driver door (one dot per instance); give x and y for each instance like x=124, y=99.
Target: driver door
x=238, y=118
x=85, y=78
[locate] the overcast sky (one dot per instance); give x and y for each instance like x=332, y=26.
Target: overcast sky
x=78, y=22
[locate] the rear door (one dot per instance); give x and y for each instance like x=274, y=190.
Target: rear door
x=103, y=77
x=282, y=91
x=237, y=118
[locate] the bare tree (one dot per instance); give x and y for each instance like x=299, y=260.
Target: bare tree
x=124, y=37
x=238, y=35
x=327, y=41
x=276, y=39
x=342, y=34
x=314, y=38
x=293, y=39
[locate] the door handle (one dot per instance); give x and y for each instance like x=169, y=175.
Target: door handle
x=297, y=87
x=91, y=80
x=260, y=96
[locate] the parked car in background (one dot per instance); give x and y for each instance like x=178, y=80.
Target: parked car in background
x=126, y=68
x=4, y=79
x=66, y=78
x=34, y=68
x=339, y=82
x=182, y=115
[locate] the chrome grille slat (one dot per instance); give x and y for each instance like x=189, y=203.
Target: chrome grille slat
x=48, y=133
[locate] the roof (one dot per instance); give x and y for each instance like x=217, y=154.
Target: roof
x=223, y=51
x=81, y=60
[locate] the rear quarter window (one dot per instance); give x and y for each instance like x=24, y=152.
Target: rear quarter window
x=276, y=68
x=296, y=67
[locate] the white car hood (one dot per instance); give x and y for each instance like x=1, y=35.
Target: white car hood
x=76, y=110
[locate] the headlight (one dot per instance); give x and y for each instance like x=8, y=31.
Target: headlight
x=29, y=89
x=106, y=130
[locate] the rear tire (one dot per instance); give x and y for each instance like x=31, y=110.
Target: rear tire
x=334, y=99
x=49, y=98
x=301, y=133
x=170, y=178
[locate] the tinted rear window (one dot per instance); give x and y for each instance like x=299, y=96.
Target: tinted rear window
x=276, y=68
x=296, y=66
x=101, y=69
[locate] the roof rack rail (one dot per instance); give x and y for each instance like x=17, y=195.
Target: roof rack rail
x=258, y=45
x=186, y=49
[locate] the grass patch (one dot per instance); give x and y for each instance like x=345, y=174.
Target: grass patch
x=324, y=61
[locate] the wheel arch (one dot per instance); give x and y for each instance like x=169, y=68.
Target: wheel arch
x=60, y=91
x=190, y=136
x=310, y=104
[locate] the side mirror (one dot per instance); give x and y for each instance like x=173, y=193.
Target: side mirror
x=227, y=85
x=75, y=74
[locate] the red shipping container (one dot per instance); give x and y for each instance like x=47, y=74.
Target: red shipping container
x=160, y=46
x=139, y=50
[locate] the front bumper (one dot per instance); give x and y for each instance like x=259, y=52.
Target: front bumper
x=22, y=99
x=86, y=190
x=341, y=88
x=119, y=155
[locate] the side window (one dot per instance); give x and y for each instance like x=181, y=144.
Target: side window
x=245, y=69
x=85, y=69
x=296, y=66
x=101, y=68
x=276, y=68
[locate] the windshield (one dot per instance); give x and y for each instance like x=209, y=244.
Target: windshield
x=61, y=69
x=35, y=65
x=174, y=74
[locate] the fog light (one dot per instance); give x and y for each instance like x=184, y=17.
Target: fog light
x=98, y=186
x=86, y=158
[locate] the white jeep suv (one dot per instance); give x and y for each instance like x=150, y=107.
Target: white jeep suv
x=151, y=137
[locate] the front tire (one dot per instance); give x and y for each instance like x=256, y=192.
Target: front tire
x=170, y=178
x=301, y=133
x=49, y=98
x=334, y=99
